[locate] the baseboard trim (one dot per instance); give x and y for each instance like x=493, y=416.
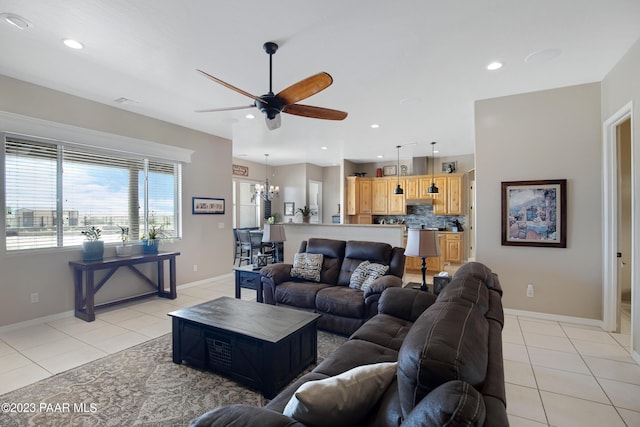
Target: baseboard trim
x=64, y=314
x=554, y=317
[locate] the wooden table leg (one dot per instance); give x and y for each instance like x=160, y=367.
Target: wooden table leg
x=238, y=284
x=175, y=335
x=173, y=293
x=161, y=292
x=90, y=300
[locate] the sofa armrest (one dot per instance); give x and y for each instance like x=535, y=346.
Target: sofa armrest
x=406, y=304
x=381, y=283
x=244, y=415
x=271, y=276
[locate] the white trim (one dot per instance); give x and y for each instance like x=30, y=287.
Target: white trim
x=38, y=128
x=65, y=314
x=554, y=317
x=610, y=219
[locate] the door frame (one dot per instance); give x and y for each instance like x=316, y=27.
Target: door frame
x=610, y=303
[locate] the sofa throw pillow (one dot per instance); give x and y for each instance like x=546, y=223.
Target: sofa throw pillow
x=359, y=275
x=373, y=272
x=307, y=266
x=342, y=400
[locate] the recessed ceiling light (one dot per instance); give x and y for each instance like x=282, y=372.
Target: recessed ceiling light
x=494, y=66
x=250, y=116
x=375, y=126
x=436, y=151
x=73, y=44
x=324, y=148
x=380, y=156
x=16, y=20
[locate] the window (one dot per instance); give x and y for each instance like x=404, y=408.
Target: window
x=53, y=191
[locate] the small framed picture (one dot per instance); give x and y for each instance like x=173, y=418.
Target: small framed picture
x=207, y=206
x=390, y=170
x=449, y=167
x=289, y=208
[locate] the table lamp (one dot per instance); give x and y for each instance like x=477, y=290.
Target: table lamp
x=423, y=244
x=274, y=234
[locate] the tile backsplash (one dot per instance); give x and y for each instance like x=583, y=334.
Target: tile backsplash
x=420, y=215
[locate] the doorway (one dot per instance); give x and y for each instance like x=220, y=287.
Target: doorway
x=315, y=201
x=618, y=223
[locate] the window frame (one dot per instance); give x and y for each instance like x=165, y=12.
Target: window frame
x=60, y=208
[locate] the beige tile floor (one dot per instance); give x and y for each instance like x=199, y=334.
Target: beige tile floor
x=557, y=374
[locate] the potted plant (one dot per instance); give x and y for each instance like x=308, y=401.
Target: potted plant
x=123, y=250
x=305, y=212
x=151, y=241
x=93, y=247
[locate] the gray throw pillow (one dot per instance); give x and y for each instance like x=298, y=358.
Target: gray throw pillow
x=359, y=275
x=307, y=266
x=373, y=272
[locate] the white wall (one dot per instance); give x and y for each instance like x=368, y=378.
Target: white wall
x=207, y=239
x=619, y=87
x=553, y=134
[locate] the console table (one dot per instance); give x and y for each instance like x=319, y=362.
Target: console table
x=85, y=292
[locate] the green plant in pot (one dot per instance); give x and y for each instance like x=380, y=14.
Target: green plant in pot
x=92, y=247
x=151, y=241
x=123, y=250
x=305, y=212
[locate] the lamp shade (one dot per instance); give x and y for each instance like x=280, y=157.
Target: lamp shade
x=422, y=243
x=274, y=233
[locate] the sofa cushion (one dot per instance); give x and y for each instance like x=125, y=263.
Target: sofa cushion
x=307, y=266
x=447, y=342
x=374, y=271
x=359, y=275
x=298, y=294
x=382, y=329
x=354, y=353
x=341, y=400
x=340, y=300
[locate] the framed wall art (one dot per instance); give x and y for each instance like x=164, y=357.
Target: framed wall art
x=289, y=208
x=390, y=170
x=207, y=206
x=534, y=213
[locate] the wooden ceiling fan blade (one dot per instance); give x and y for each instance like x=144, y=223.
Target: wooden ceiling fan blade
x=305, y=88
x=213, y=110
x=230, y=86
x=314, y=112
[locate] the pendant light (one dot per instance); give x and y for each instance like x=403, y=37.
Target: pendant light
x=433, y=189
x=398, y=190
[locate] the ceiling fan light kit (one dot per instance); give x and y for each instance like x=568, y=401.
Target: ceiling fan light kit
x=286, y=100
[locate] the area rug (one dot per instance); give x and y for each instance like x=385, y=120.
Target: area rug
x=140, y=386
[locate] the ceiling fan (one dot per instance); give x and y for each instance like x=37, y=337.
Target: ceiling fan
x=285, y=101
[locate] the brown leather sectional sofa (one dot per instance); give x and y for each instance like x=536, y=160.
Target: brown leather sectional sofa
x=342, y=309
x=449, y=354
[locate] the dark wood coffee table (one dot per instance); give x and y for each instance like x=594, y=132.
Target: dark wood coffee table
x=262, y=346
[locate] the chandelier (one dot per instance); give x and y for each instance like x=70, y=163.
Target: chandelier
x=265, y=191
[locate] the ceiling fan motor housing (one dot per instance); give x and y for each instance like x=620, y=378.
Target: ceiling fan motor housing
x=272, y=105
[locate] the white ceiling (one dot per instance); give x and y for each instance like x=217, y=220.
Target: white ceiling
x=415, y=67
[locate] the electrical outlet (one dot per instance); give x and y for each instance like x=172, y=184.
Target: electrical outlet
x=195, y=267
x=530, y=290
x=35, y=297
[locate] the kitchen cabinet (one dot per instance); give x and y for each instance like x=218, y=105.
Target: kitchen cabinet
x=396, y=204
x=358, y=196
x=448, y=201
x=412, y=188
x=380, y=196
x=453, y=248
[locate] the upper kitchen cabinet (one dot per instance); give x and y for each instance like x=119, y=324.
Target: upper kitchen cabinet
x=448, y=201
x=359, y=194
x=380, y=196
x=397, y=202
